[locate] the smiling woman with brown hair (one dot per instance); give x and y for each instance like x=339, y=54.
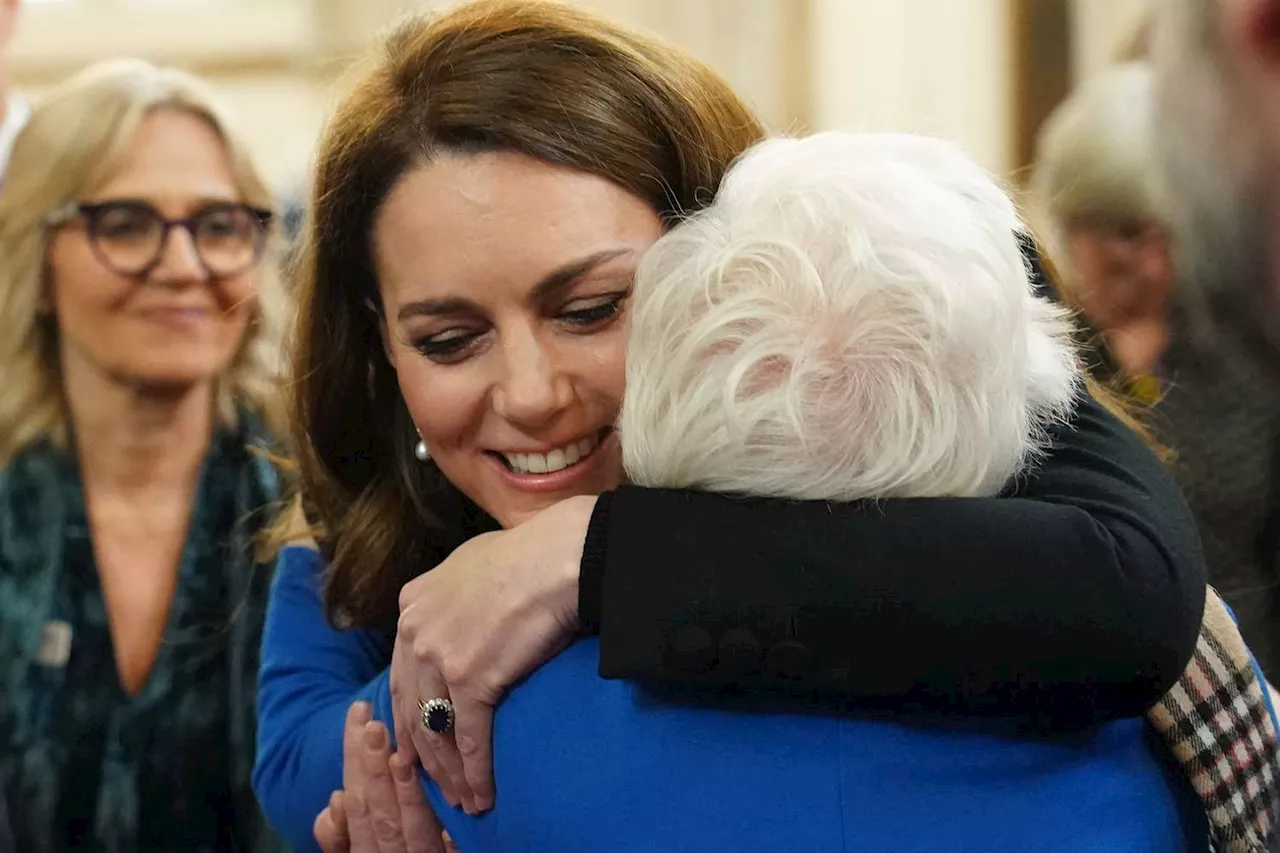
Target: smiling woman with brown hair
x=139, y=313
x=483, y=195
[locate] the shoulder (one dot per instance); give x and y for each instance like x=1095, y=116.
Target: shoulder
x=32, y=490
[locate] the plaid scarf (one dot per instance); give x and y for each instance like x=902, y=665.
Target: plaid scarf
x=1217, y=722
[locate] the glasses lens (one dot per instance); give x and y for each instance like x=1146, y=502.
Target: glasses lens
x=228, y=239
x=128, y=236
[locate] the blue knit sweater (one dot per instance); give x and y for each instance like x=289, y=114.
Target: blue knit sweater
x=583, y=764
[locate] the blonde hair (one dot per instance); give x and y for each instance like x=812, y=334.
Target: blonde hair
x=1095, y=156
x=852, y=317
x=76, y=138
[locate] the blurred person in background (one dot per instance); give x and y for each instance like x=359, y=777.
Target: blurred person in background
x=14, y=110
x=1098, y=179
x=1218, y=145
x=138, y=350
x=1094, y=179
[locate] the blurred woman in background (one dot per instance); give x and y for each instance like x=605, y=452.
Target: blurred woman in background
x=138, y=311
x=1097, y=183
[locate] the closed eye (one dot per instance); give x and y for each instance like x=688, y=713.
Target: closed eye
x=445, y=347
x=595, y=312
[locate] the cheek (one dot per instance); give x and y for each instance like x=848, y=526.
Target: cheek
x=607, y=376
x=446, y=402
x=84, y=296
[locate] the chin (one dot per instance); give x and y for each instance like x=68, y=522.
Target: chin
x=173, y=377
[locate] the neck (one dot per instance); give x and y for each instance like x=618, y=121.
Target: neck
x=1138, y=345
x=130, y=441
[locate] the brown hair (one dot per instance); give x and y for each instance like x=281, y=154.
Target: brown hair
x=541, y=79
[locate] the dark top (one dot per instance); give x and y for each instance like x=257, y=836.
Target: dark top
x=83, y=765
x=1220, y=413
x=1076, y=597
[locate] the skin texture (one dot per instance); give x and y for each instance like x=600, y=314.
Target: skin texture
x=504, y=282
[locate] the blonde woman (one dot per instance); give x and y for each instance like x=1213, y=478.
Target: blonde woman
x=138, y=302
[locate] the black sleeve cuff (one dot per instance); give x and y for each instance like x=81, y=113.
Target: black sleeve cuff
x=591, y=574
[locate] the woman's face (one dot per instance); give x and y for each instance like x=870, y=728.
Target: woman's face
x=1121, y=272
x=174, y=326
x=503, y=282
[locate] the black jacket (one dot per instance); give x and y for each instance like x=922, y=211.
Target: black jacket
x=1076, y=598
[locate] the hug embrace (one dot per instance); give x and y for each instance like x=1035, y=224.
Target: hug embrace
x=664, y=486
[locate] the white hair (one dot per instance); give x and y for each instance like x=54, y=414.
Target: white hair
x=851, y=318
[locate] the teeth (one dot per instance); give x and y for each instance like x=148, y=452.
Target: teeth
x=556, y=460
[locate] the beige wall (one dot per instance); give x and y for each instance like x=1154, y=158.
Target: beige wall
x=1100, y=28
x=934, y=66
x=929, y=66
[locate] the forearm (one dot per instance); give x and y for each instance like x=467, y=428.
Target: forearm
x=917, y=617
x=1080, y=600
x=299, y=760
x=310, y=676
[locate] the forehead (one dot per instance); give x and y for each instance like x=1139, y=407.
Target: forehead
x=173, y=154
x=467, y=219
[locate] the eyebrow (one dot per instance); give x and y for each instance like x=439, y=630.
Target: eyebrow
x=198, y=203
x=547, y=286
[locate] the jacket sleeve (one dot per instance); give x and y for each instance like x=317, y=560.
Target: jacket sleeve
x=1078, y=597
x=310, y=675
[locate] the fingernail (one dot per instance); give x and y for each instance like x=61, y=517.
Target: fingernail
x=450, y=797
x=361, y=713
x=336, y=800
x=400, y=769
x=375, y=736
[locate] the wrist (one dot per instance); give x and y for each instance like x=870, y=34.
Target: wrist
x=579, y=511
x=592, y=567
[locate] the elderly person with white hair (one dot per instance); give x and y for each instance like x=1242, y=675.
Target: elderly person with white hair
x=851, y=319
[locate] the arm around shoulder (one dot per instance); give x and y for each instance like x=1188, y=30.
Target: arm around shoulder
x=1078, y=596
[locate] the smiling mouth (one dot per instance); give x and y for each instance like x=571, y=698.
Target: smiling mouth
x=553, y=460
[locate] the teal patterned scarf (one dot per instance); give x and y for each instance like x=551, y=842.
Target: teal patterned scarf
x=40, y=503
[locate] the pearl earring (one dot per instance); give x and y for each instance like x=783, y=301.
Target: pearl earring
x=421, y=451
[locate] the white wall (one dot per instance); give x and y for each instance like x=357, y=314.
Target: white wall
x=935, y=66
x=1100, y=28
x=930, y=66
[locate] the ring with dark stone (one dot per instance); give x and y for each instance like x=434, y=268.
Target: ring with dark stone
x=437, y=715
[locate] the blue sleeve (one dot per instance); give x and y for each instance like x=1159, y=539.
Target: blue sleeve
x=310, y=675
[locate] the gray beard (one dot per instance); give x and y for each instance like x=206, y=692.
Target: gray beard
x=1217, y=194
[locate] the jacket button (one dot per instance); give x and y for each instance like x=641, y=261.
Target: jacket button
x=692, y=649
x=739, y=652
x=788, y=660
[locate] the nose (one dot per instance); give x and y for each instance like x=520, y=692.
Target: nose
x=534, y=388
x=179, y=262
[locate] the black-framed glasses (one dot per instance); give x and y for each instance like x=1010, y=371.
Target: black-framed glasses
x=129, y=237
